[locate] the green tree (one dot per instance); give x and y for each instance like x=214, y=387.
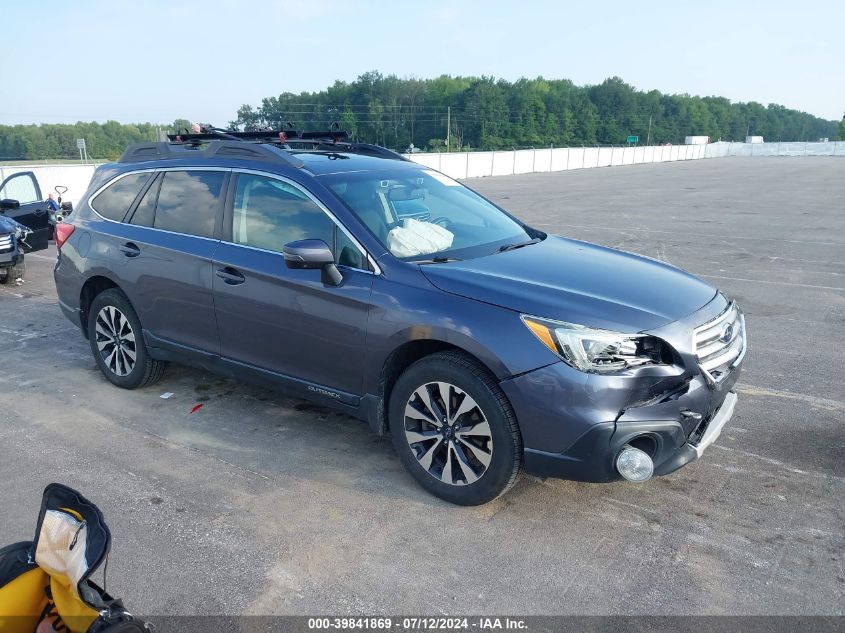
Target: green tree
x=483, y=112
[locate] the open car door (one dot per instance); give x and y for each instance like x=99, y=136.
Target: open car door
x=33, y=212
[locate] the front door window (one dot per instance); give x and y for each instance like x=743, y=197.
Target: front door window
x=269, y=213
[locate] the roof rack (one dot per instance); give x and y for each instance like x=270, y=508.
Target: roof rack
x=208, y=133
x=140, y=152
x=275, y=145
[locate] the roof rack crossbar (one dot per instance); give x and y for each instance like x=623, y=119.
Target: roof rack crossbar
x=267, y=144
x=140, y=152
x=258, y=136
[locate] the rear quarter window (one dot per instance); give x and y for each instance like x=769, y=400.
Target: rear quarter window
x=115, y=200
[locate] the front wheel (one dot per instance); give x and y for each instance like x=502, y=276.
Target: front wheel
x=117, y=342
x=454, y=430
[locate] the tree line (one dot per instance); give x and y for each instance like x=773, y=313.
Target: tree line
x=473, y=113
x=102, y=140
x=486, y=113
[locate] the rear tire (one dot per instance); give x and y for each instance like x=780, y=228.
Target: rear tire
x=117, y=342
x=467, y=451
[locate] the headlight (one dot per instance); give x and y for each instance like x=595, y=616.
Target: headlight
x=598, y=351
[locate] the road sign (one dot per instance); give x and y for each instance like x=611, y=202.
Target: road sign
x=83, y=151
x=633, y=139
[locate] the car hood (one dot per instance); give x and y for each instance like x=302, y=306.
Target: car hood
x=8, y=225
x=577, y=282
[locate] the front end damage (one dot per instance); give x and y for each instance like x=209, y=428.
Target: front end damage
x=652, y=420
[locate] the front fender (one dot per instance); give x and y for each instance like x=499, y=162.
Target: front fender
x=495, y=336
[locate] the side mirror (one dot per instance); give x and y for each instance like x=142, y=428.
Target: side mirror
x=9, y=204
x=312, y=254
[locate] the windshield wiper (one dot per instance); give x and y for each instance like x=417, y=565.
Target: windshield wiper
x=510, y=247
x=437, y=260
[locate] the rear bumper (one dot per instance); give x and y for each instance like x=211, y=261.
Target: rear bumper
x=71, y=313
x=69, y=285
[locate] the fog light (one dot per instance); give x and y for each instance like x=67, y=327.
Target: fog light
x=634, y=465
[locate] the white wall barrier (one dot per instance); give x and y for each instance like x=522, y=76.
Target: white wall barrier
x=501, y=163
x=74, y=177
x=525, y=161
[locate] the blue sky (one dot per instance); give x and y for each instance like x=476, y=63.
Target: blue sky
x=152, y=60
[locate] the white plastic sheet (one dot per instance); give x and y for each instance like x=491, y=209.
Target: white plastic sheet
x=418, y=238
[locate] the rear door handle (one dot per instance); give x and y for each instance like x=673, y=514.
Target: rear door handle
x=230, y=276
x=129, y=249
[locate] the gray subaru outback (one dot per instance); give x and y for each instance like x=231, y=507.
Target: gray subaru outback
x=343, y=273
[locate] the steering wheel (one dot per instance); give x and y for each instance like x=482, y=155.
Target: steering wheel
x=442, y=221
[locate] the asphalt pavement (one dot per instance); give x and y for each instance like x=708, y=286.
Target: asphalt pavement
x=261, y=504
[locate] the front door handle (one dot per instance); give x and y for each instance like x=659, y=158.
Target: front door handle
x=230, y=276
x=129, y=249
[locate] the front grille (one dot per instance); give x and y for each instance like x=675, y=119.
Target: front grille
x=698, y=432
x=720, y=344
x=5, y=243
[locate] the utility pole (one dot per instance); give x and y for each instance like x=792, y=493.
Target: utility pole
x=448, y=126
x=648, y=137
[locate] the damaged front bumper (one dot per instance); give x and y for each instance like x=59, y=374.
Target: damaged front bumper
x=9, y=252
x=574, y=425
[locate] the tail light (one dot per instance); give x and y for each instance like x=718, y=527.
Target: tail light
x=63, y=231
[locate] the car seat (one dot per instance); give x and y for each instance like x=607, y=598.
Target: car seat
x=370, y=208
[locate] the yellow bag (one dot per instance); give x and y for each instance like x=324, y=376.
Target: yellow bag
x=44, y=584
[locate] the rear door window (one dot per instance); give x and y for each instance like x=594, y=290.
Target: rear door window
x=189, y=202
x=115, y=200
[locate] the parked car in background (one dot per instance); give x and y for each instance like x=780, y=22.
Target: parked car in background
x=13, y=243
x=348, y=275
x=21, y=194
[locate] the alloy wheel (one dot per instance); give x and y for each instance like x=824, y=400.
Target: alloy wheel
x=448, y=433
x=115, y=340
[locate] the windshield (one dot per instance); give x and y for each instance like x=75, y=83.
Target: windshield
x=424, y=215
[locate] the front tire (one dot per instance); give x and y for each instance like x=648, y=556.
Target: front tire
x=13, y=273
x=117, y=342
x=454, y=429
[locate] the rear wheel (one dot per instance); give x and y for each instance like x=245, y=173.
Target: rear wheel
x=117, y=342
x=454, y=430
